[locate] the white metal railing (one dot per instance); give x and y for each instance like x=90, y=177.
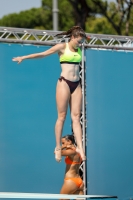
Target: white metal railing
x=47, y=37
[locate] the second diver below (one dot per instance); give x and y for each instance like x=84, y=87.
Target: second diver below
x=73, y=183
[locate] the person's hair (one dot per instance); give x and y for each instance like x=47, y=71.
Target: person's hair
x=75, y=31
x=71, y=138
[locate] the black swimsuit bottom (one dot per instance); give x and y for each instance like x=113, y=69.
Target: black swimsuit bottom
x=72, y=85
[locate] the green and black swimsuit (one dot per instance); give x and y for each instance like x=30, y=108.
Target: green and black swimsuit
x=71, y=57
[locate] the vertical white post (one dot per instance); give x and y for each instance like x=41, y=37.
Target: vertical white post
x=83, y=114
x=55, y=15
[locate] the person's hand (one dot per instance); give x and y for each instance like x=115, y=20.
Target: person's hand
x=18, y=59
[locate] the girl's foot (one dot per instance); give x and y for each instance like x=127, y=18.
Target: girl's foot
x=58, y=154
x=82, y=154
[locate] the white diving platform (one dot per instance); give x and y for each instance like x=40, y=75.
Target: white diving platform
x=16, y=195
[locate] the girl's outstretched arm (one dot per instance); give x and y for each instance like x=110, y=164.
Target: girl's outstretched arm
x=68, y=152
x=55, y=49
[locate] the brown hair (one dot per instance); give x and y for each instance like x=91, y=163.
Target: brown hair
x=71, y=138
x=74, y=31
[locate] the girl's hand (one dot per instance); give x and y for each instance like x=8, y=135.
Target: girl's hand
x=18, y=59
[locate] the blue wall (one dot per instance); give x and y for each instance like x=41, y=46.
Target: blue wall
x=28, y=114
x=27, y=119
x=110, y=123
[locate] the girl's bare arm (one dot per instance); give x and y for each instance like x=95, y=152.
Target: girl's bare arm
x=55, y=49
x=68, y=152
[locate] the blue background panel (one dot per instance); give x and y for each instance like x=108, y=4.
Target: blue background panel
x=109, y=77
x=27, y=119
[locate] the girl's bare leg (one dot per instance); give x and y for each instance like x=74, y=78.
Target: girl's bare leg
x=75, y=106
x=62, y=100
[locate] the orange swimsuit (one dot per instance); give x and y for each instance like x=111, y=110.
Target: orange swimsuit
x=68, y=161
x=77, y=180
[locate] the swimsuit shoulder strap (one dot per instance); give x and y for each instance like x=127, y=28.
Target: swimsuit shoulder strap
x=67, y=46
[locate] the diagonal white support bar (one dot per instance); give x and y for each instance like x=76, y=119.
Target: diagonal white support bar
x=14, y=195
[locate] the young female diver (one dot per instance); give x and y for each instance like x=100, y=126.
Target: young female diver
x=68, y=90
x=73, y=183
